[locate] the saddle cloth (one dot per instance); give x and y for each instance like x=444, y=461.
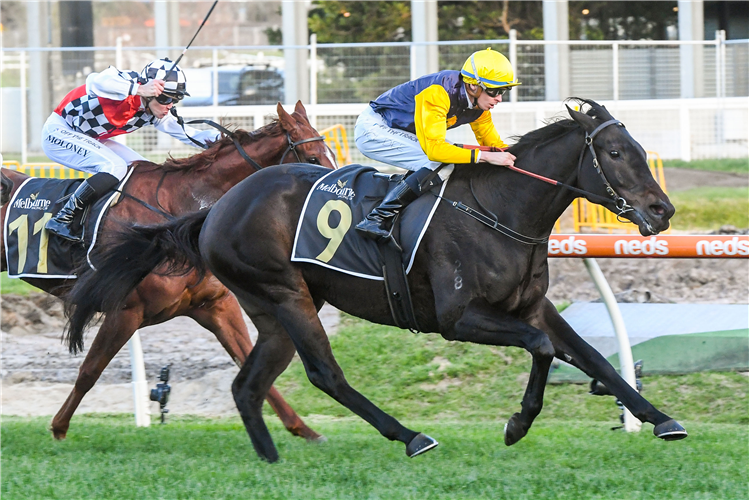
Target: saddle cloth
x=30, y=250
x=336, y=203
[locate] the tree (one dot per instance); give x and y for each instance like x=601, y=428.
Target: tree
x=621, y=20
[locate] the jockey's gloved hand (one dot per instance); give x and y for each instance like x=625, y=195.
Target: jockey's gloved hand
x=153, y=88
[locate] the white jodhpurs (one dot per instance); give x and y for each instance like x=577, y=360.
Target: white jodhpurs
x=78, y=151
x=393, y=146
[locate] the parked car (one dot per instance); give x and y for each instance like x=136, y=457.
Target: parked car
x=237, y=85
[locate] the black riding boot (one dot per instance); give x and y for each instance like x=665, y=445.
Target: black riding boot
x=88, y=192
x=379, y=222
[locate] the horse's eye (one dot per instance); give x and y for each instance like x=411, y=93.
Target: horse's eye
x=614, y=154
x=313, y=160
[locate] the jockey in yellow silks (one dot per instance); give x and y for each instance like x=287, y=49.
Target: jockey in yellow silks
x=406, y=127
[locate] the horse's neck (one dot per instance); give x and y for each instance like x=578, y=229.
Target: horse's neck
x=230, y=168
x=529, y=205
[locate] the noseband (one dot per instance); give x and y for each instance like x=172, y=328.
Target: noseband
x=621, y=204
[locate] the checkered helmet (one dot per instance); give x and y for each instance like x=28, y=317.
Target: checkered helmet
x=175, y=85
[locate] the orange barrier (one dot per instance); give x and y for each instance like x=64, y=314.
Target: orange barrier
x=335, y=137
x=668, y=246
x=46, y=169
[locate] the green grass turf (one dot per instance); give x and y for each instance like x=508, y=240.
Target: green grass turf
x=710, y=208
x=736, y=165
x=423, y=376
x=108, y=458
x=15, y=286
x=461, y=394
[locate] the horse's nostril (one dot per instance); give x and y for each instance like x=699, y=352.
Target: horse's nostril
x=658, y=210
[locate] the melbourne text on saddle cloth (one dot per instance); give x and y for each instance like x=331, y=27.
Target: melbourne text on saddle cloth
x=336, y=203
x=30, y=250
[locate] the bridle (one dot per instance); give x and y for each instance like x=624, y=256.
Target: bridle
x=291, y=144
x=620, y=203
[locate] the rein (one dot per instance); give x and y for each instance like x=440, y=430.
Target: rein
x=493, y=222
x=291, y=147
x=621, y=203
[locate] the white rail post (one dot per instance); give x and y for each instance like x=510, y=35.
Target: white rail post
x=685, y=132
x=615, y=62
x=214, y=83
x=626, y=362
x=140, y=384
x=313, y=78
x=24, y=112
x=514, y=62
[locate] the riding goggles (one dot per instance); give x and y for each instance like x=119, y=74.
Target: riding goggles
x=494, y=91
x=167, y=99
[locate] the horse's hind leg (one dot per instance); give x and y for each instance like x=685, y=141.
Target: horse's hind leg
x=297, y=322
x=572, y=348
x=223, y=317
x=269, y=358
x=481, y=324
x=114, y=332
x=299, y=317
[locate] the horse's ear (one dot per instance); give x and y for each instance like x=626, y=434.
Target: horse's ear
x=585, y=121
x=299, y=108
x=287, y=121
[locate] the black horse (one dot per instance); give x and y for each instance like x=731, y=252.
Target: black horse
x=247, y=237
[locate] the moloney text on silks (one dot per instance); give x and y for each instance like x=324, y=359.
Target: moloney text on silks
x=67, y=145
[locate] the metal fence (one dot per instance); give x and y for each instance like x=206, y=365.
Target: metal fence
x=622, y=73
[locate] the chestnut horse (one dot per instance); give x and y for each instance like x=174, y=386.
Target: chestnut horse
x=246, y=241
x=179, y=186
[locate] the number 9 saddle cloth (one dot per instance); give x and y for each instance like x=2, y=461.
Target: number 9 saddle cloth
x=337, y=202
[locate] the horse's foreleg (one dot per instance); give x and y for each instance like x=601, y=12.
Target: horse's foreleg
x=114, y=332
x=482, y=324
x=224, y=318
x=570, y=347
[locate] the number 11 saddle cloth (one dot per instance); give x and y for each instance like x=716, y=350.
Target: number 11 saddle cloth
x=31, y=251
x=337, y=202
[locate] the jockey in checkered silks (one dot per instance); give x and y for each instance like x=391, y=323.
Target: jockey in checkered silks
x=406, y=127
x=78, y=134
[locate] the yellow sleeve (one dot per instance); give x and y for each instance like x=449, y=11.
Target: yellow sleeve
x=430, y=121
x=485, y=132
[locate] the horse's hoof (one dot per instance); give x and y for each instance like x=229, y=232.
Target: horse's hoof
x=420, y=444
x=670, y=430
x=513, y=430
x=58, y=434
x=319, y=439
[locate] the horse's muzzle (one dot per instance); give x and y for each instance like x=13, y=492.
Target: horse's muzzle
x=653, y=218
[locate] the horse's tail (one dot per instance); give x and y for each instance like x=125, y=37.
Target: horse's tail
x=126, y=258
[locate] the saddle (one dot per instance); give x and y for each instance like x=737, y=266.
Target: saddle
x=31, y=251
x=326, y=236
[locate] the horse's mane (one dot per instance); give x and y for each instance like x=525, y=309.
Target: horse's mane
x=556, y=128
x=203, y=160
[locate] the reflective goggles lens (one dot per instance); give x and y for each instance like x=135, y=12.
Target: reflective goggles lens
x=165, y=99
x=494, y=91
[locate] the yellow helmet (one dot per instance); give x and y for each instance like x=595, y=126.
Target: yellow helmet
x=489, y=68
